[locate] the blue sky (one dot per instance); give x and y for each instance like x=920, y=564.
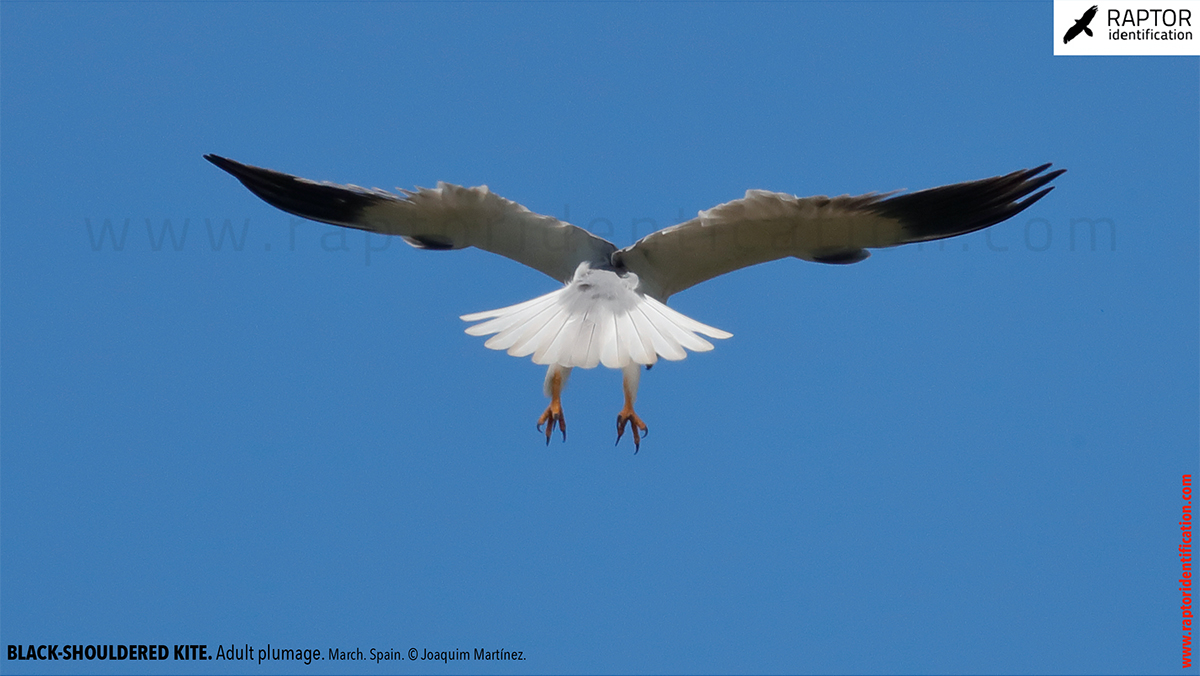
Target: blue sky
x=959, y=458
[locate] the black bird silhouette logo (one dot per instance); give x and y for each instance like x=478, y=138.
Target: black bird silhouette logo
x=1081, y=26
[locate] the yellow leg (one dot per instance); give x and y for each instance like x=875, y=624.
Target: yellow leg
x=555, y=381
x=631, y=377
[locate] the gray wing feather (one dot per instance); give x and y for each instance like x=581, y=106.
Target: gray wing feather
x=442, y=218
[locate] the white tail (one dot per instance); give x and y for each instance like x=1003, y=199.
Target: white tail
x=598, y=318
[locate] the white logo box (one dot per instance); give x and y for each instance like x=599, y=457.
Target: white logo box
x=1130, y=28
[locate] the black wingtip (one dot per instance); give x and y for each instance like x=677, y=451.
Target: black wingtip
x=223, y=162
x=325, y=202
x=237, y=169
x=962, y=208
x=1028, y=202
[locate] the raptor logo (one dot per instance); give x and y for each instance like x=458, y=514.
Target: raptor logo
x=1081, y=26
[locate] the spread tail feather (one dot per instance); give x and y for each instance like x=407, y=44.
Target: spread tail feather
x=558, y=329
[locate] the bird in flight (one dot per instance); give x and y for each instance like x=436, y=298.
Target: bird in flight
x=1081, y=26
x=611, y=309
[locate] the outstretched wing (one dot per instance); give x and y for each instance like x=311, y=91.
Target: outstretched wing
x=765, y=226
x=446, y=217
